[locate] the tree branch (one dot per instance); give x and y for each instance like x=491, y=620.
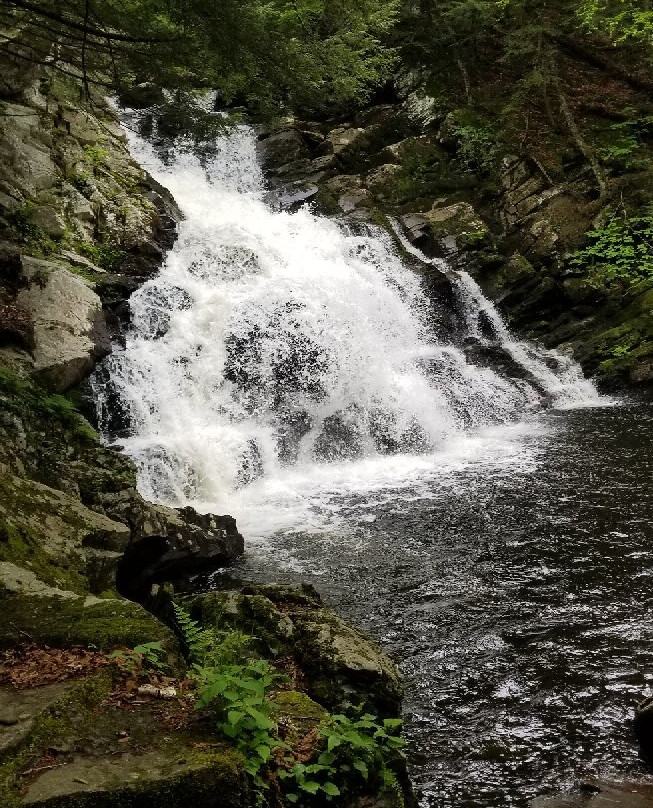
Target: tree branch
x=25, y=5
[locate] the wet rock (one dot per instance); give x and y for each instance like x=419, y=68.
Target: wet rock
x=340, y=663
x=142, y=96
x=499, y=359
x=282, y=148
x=446, y=228
x=170, y=545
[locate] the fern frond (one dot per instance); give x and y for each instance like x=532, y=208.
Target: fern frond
x=198, y=640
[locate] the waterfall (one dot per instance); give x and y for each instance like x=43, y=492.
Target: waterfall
x=556, y=373
x=276, y=343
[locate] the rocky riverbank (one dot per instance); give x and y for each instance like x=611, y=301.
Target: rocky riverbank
x=518, y=222
x=81, y=227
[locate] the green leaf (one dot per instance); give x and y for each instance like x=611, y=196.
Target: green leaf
x=333, y=742
x=361, y=766
x=263, y=752
x=311, y=786
x=331, y=789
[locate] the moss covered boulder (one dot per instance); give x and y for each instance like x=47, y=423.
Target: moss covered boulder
x=338, y=663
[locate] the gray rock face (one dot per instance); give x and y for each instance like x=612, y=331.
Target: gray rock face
x=69, y=331
x=170, y=545
x=282, y=148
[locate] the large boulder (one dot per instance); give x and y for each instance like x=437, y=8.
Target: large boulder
x=282, y=148
x=169, y=545
x=340, y=664
x=69, y=331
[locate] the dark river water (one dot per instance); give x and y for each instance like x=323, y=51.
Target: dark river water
x=516, y=600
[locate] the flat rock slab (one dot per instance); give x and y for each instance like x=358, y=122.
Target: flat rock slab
x=90, y=774
x=602, y=795
x=157, y=778
x=20, y=708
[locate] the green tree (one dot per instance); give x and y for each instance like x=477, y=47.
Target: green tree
x=619, y=20
x=270, y=53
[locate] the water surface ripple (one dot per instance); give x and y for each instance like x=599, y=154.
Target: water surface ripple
x=516, y=600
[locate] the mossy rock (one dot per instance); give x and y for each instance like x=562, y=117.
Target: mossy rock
x=340, y=663
x=157, y=778
x=66, y=619
x=297, y=714
x=157, y=767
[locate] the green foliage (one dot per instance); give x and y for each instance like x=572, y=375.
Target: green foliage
x=24, y=229
x=234, y=687
x=148, y=655
x=21, y=396
x=95, y=155
x=270, y=53
x=356, y=749
x=619, y=252
x=620, y=20
x=625, y=144
x=477, y=147
x=104, y=255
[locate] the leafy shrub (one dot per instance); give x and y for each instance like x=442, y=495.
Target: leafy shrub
x=619, y=252
x=149, y=655
x=352, y=751
x=234, y=687
x=357, y=748
x=21, y=396
x=106, y=256
x=95, y=155
x=24, y=229
x=627, y=137
x=477, y=147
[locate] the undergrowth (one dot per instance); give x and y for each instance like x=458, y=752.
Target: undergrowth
x=619, y=252
x=348, y=754
x=20, y=395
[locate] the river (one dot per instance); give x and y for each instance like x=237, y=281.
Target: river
x=515, y=594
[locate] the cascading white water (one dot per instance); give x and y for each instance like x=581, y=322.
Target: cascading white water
x=274, y=347
x=558, y=374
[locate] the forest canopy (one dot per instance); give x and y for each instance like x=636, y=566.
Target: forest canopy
x=266, y=53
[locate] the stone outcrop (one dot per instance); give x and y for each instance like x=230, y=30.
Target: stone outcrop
x=504, y=219
x=81, y=226
x=337, y=662
x=69, y=333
